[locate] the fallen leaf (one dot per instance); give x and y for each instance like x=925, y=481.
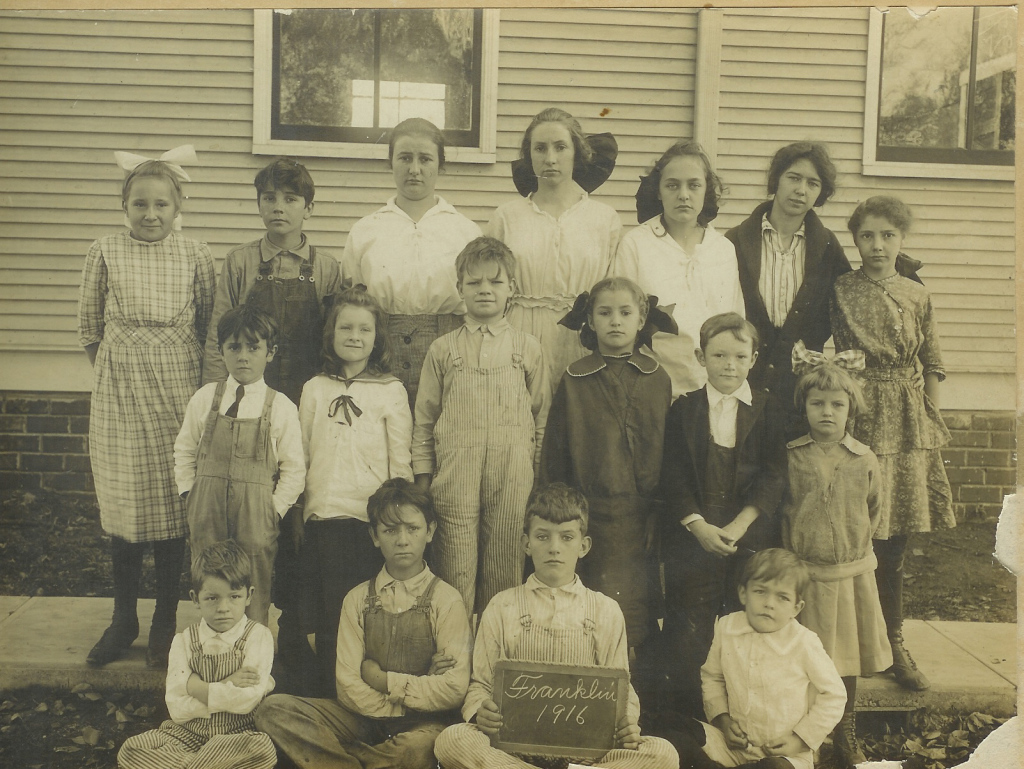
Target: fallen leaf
x=42, y=707
x=91, y=735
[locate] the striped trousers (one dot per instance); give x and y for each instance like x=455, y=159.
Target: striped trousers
x=156, y=749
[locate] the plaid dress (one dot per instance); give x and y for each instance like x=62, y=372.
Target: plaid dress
x=148, y=306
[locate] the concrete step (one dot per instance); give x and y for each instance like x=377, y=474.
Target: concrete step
x=44, y=641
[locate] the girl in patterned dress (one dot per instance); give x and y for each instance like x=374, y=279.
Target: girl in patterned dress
x=563, y=240
x=144, y=307
x=890, y=318
x=404, y=253
x=356, y=434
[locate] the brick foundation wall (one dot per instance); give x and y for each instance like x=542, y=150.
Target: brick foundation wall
x=44, y=444
x=44, y=441
x=981, y=461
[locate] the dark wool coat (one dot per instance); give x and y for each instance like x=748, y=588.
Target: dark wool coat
x=808, y=319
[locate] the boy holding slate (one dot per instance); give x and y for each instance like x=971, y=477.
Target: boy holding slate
x=553, y=618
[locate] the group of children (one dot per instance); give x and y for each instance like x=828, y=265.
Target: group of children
x=668, y=469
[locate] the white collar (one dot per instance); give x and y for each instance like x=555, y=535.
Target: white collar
x=573, y=588
x=742, y=393
x=472, y=326
x=259, y=387
x=782, y=641
x=440, y=206
x=412, y=585
x=228, y=636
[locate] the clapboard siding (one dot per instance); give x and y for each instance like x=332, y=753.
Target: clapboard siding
x=75, y=86
x=964, y=229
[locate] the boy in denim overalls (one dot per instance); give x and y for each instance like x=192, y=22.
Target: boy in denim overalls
x=403, y=656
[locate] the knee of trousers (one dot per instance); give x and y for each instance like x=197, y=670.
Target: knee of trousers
x=451, y=744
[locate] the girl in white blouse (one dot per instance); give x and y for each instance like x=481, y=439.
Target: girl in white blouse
x=679, y=257
x=356, y=433
x=404, y=253
x=563, y=240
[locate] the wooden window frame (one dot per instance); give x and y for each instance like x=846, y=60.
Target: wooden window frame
x=872, y=164
x=485, y=151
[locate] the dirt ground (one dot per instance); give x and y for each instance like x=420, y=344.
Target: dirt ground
x=53, y=545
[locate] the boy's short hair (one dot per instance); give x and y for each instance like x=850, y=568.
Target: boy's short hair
x=817, y=153
x=829, y=376
x=485, y=249
x=248, y=323
x=395, y=493
x=740, y=327
x=884, y=206
x=557, y=503
x=285, y=174
x=776, y=563
x=225, y=559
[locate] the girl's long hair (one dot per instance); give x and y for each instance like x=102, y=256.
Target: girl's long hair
x=379, y=361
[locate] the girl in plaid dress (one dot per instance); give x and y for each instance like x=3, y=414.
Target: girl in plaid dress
x=144, y=306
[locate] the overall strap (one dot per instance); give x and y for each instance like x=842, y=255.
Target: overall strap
x=453, y=350
x=218, y=395
x=423, y=602
x=206, y=439
x=518, y=339
x=240, y=643
x=525, y=619
x=306, y=268
x=266, y=270
x=590, y=613
x=193, y=638
x=268, y=404
x=372, y=601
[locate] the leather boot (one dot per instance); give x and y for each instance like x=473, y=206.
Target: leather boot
x=846, y=752
x=889, y=578
x=126, y=558
x=167, y=556
x=904, y=669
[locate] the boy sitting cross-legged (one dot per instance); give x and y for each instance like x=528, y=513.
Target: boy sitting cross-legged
x=403, y=656
x=551, y=618
x=218, y=672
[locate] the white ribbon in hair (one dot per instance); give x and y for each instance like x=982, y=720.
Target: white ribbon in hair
x=186, y=153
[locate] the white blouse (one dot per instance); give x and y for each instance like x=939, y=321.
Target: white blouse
x=407, y=266
x=557, y=259
x=345, y=462
x=700, y=285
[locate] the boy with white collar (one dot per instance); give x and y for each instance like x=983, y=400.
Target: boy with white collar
x=771, y=692
x=238, y=459
x=722, y=480
x=218, y=672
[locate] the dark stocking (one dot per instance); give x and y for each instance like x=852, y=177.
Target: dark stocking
x=167, y=556
x=127, y=565
x=889, y=578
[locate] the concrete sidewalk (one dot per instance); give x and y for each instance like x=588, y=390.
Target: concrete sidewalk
x=43, y=641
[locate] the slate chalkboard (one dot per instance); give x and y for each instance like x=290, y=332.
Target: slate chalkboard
x=558, y=710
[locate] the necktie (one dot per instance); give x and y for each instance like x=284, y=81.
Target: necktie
x=233, y=408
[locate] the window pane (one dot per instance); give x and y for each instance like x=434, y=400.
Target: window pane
x=326, y=67
x=925, y=68
x=427, y=60
x=996, y=80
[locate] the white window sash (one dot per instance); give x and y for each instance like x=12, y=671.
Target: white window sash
x=872, y=93
x=263, y=144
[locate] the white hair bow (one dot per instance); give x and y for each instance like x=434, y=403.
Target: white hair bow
x=186, y=153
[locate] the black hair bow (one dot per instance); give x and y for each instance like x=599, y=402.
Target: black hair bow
x=589, y=175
